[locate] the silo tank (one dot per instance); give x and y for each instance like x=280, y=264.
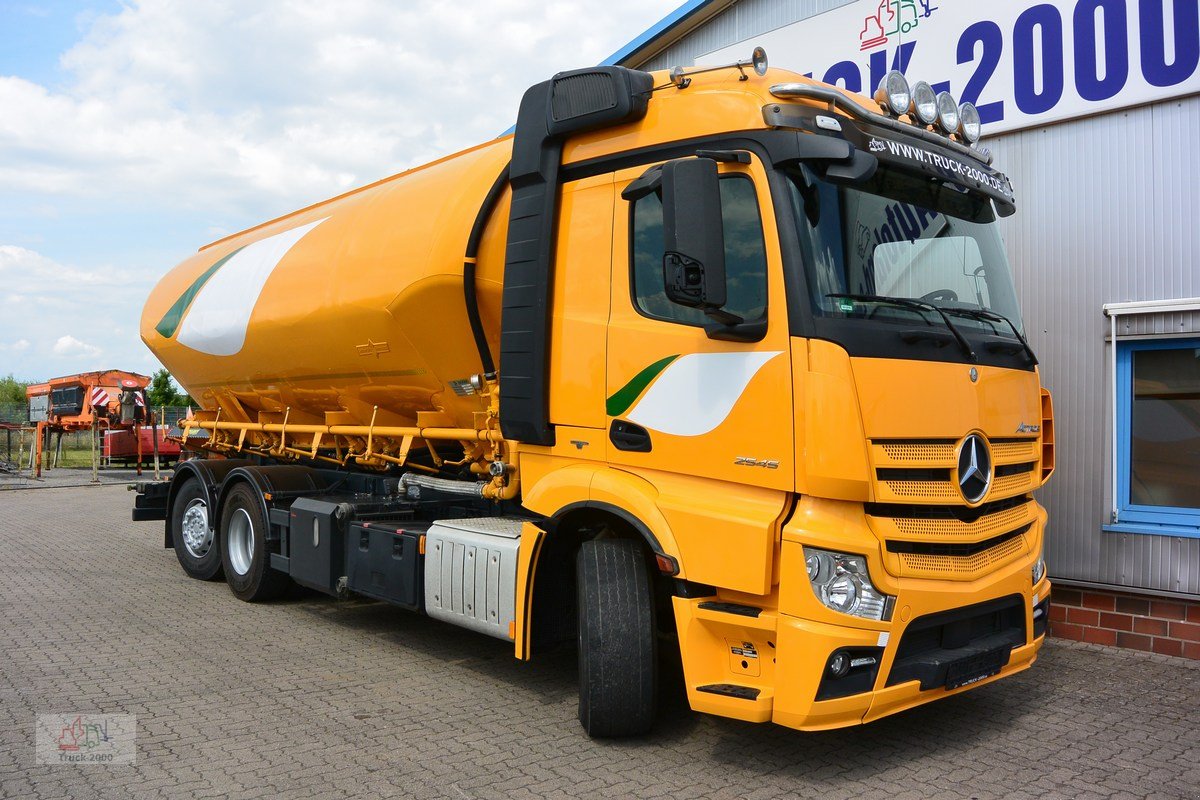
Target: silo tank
x=345, y=310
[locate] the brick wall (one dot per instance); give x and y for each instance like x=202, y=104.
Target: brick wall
x=1170, y=627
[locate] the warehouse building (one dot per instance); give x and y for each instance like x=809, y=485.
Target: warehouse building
x=1092, y=108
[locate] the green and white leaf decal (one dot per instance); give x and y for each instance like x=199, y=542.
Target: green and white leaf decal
x=623, y=398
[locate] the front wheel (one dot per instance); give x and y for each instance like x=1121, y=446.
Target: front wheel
x=244, y=552
x=192, y=533
x=618, y=674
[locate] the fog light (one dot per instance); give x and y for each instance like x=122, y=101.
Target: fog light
x=893, y=93
x=839, y=664
x=924, y=103
x=947, y=112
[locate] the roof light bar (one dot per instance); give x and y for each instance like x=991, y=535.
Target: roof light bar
x=836, y=98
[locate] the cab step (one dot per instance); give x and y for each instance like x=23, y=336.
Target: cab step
x=731, y=608
x=731, y=690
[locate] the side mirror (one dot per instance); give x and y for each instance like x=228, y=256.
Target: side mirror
x=694, y=242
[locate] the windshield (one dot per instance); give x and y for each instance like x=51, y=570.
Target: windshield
x=902, y=236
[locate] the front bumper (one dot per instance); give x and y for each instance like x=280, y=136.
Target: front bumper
x=770, y=667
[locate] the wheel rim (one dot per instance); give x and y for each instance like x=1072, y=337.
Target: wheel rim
x=240, y=539
x=197, y=535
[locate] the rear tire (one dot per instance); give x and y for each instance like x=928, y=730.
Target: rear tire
x=244, y=553
x=618, y=666
x=196, y=543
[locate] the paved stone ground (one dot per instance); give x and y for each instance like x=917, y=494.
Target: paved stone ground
x=74, y=476
x=310, y=697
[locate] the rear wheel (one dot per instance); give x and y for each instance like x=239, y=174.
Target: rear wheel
x=244, y=552
x=617, y=660
x=192, y=533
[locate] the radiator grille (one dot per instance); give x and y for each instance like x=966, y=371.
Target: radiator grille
x=931, y=490
x=920, y=452
x=1011, y=484
x=927, y=527
x=924, y=471
x=961, y=567
x=985, y=526
x=1015, y=450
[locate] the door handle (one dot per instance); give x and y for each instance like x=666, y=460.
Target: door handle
x=627, y=436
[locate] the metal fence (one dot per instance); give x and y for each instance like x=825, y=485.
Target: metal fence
x=17, y=413
x=17, y=434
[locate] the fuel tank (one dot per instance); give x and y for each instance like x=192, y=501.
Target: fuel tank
x=345, y=310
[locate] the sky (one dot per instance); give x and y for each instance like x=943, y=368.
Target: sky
x=132, y=133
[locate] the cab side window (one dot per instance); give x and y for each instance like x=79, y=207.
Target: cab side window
x=745, y=256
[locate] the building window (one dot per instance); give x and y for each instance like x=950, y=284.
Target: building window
x=1158, y=436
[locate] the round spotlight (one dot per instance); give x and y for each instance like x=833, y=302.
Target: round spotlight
x=759, y=60
x=924, y=103
x=972, y=126
x=947, y=109
x=893, y=93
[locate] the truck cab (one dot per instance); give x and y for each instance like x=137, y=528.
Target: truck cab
x=833, y=431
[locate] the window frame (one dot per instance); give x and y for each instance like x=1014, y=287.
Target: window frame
x=633, y=297
x=1132, y=517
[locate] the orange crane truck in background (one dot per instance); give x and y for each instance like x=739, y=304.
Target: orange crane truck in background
x=726, y=358
x=112, y=403
x=110, y=399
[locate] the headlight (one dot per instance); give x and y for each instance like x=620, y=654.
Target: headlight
x=1039, y=568
x=947, y=112
x=893, y=93
x=841, y=582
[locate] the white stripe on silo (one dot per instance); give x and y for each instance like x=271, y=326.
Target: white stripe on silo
x=217, y=319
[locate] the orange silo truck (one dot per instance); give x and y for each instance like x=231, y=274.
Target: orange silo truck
x=727, y=359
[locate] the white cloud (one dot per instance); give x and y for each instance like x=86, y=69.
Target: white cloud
x=70, y=346
x=64, y=319
x=203, y=105
x=206, y=117
x=31, y=271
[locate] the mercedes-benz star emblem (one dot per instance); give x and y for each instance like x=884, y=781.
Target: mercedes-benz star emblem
x=974, y=468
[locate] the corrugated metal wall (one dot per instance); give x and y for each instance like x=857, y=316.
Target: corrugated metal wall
x=1109, y=210
x=740, y=21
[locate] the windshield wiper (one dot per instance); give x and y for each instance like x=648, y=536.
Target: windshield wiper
x=993, y=316
x=905, y=302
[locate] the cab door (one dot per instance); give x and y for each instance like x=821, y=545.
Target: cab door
x=676, y=399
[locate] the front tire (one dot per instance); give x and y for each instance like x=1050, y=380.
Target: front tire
x=618, y=677
x=244, y=553
x=192, y=533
